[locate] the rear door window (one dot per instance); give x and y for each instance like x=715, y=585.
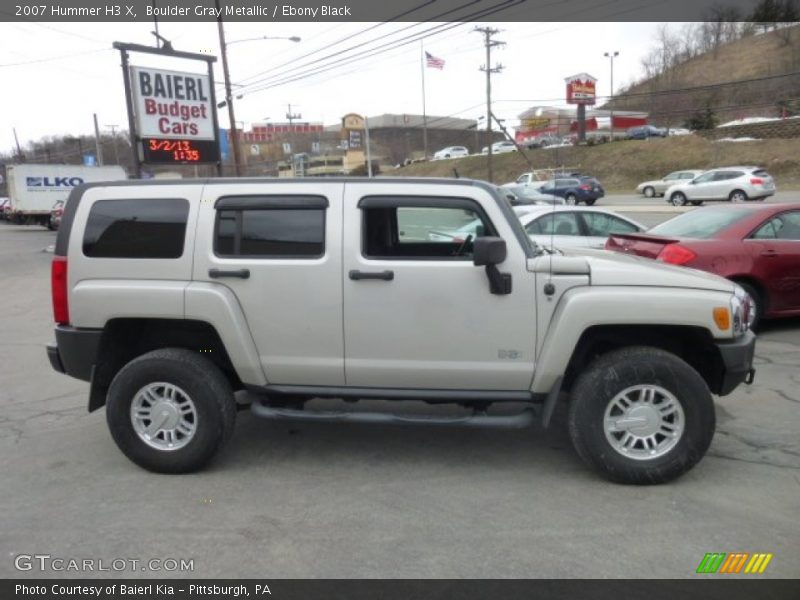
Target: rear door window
x=781, y=227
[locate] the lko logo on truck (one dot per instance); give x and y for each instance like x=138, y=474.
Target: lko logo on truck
x=53, y=182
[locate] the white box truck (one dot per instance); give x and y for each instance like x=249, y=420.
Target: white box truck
x=34, y=189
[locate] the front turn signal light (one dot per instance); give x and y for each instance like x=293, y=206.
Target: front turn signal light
x=722, y=317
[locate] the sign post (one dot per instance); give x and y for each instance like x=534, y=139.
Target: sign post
x=581, y=91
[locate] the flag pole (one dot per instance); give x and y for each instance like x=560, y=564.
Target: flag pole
x=424, y=114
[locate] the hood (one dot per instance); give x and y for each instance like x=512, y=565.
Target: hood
x=612, y=268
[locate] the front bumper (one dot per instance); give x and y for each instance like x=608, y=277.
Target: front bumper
x=737, y=359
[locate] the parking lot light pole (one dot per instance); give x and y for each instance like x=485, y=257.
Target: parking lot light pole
x=611, y=56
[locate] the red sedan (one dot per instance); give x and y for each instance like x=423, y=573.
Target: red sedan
x=757, y=246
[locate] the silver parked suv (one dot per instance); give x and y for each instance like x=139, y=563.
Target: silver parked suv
x=736, y=184
x=170, y=296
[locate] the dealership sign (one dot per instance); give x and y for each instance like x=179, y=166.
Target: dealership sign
x=172, y=104
x=581, y=89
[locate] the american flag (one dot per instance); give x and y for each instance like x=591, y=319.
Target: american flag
x=433, y=62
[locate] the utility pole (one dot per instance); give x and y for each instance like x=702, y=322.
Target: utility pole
x=489, y=43
x=20, y=158
x=228, y=94
x=113, y=129
x=292, y=117
x=369, y=154
x=97, y=145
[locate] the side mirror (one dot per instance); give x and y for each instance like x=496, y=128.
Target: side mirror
x=488, y=251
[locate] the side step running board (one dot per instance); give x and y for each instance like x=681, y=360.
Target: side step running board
x=517, y=421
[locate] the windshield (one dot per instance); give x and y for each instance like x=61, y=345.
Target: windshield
x=528, y=245
x=701, y=224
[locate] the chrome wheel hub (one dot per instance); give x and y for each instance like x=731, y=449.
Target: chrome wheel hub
x=163, y=416
x=644, y=422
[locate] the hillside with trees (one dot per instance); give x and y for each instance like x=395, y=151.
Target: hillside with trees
x=702, y=74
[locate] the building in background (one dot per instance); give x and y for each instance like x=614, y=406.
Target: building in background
x=557, y=122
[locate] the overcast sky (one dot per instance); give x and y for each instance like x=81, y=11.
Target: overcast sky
x=56, y=75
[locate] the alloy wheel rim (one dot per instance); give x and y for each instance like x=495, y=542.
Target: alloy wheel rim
x=164, y=416
x=644, y=422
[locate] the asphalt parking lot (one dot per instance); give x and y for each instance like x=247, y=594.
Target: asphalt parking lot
x=344, y=500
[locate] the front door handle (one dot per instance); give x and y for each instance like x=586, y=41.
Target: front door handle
x=382, y=275
x=769, y=253
x=240, y=273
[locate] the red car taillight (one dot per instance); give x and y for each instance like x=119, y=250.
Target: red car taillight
x=675, y=254
x=58, y=286
x=756, y=181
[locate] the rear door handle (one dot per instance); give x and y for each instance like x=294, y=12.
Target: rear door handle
x=769, y=253
x=382, y=275
x=240, y=273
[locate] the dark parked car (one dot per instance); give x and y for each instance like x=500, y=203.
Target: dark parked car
x=575, y=190
x=757, y=246
x=55, y=216
x=645, y=131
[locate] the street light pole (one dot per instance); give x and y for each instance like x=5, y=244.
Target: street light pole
x=611, y=56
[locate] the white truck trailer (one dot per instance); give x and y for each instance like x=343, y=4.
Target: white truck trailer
x=34, y=189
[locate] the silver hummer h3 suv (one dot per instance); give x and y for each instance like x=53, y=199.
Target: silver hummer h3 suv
x=171, y=296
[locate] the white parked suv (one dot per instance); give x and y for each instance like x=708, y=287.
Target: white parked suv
x=170, y=296
x=736, y=184
x=451, y=152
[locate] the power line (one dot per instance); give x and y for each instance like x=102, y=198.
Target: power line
x=387, y=46
x=339, y=41
x=54, y=58
x=622, y=96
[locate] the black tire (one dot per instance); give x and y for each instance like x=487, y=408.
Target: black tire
x=201, y=380
x=738, y=196
x=759, y=299
x=678, y=199
x=591, y=202
x=571, y=199
x=649, y=192
x=619, y=370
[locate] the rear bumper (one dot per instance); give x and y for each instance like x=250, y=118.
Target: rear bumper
x=74, y=351
x=737, y=359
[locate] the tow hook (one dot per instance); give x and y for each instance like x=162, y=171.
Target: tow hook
x=751, y=375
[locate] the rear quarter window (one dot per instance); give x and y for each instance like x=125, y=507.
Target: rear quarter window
x=136, y=228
